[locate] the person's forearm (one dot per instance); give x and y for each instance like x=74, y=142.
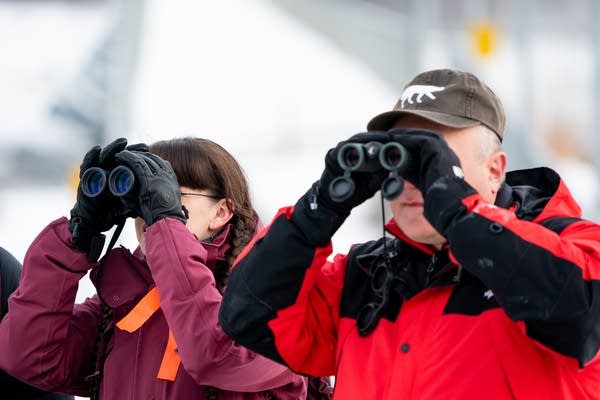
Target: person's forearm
x=549, y=280
x=39, y=335
x=190, y=303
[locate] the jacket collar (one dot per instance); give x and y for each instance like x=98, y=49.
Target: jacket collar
x=217, y=248
x=395, y=230
x=122, y=277
x=540, y=193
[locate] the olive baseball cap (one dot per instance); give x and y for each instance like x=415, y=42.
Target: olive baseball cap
x=451, y=98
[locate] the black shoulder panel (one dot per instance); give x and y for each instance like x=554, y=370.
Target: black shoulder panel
x=558, y=224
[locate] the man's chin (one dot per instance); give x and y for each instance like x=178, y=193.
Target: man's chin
x=429, y=237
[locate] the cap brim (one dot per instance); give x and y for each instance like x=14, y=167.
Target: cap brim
x=386, y=120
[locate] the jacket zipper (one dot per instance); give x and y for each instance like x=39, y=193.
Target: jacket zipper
x=430, y=269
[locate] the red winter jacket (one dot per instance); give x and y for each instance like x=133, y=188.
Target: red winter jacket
x=49, y=341
x=509, y=310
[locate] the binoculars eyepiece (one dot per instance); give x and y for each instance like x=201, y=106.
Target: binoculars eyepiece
x=370, y=157
x=94, y=180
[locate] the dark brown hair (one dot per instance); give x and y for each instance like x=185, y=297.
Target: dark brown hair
x=204, y=165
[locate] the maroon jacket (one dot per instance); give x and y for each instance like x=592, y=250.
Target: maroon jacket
x=49, y=342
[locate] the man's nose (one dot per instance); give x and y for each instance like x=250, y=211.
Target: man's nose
x=409, y=186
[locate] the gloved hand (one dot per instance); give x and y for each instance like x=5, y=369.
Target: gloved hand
x=430, y=157
x=366, y=183
x=436, y=170
x=92, y=215
x=156, y=193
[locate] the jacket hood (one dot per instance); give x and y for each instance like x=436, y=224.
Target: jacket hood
x=536, y=194
x=539, y=194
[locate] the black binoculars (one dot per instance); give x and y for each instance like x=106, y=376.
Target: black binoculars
x=94, y=181
x=370, y=157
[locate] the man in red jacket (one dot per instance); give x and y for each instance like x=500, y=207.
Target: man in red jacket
x=489, y=288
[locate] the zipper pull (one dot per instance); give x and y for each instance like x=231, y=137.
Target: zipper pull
x=458, y=275
x=430, y=269
x=431, y=263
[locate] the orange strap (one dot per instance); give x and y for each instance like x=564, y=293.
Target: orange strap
x=170, y=362
x=141, y=313
x=137, y=317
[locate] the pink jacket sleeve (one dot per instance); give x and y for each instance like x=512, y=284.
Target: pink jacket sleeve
x=45, y=339
x=190, y=303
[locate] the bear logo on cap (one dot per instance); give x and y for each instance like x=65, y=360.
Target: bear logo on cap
x=420, y=91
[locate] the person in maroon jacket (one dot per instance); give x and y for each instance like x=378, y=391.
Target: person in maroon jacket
x=488, y=289
x=11, y=388
x=151, y=332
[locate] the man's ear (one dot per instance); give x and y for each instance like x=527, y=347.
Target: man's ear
x=222, y=216
x=497, y=170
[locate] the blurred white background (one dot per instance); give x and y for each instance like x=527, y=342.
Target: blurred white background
x=277, y=83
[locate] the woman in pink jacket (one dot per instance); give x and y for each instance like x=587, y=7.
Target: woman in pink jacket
x=151, y=332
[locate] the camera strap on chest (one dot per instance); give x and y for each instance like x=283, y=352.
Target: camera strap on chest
x=105, y=327
x=137, y=317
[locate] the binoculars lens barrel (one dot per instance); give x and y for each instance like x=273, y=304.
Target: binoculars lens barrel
x=393, y=156
x=93, y=181
x=370, y=157
x=359, y=156
x=351, y=156
x=120, y=181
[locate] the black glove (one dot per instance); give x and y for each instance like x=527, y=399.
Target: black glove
x=156, y=193
x=436, y=170
x=366, y=184
x=92, y=215
x=316, y=214
x=430, y=157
